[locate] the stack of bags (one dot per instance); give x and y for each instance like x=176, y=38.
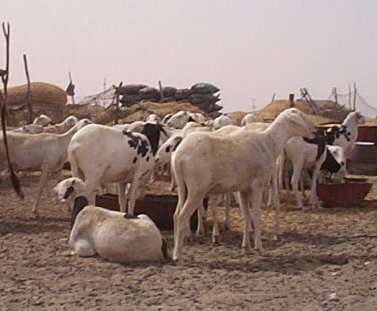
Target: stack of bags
x=202, y=95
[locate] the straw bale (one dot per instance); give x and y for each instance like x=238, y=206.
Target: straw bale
x=273, y=109
x=45, y=98
x=141, y=111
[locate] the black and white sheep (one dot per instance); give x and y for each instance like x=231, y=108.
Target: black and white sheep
x=114, y=236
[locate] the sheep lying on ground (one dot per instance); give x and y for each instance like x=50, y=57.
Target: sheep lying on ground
x=112, y=235
x=43, y=152
x=208, y=163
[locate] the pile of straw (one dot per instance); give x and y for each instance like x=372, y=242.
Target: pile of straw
x=45, y=98
x=273, y=109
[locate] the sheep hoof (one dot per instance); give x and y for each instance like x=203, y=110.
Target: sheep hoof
x=35, y=214
x=215, y=239
x=245, y=250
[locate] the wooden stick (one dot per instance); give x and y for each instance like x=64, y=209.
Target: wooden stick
x=354, y=96
x=70, y=81
x=4, y=113
x=349, y=96
x=161, y=91
x=117, y=98
x=28, y=94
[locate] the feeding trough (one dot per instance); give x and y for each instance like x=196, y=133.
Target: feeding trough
x=363, y=159
x=348, y=194
x=160, y=208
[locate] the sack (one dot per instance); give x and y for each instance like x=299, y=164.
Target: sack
x=129, y=100
x=204, y=88
x=131, y=89
x=169, y=91
x=182, y=94
x=149, y=93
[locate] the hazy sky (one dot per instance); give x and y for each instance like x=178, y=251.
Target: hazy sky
x=248, y=48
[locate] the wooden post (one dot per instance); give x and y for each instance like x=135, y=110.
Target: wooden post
x=161, y=91
x=335, y=93
x=349, y=96
x=4, y=73
x=117, y=110
x=354, y=96
x=291, y=100
x=273, y=97
x=28, y=94
x=71, y=88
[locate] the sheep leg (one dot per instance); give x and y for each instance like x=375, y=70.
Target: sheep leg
x=201, y=215
x=275, y=198
x=173, y=184
x=122, y=196
x=227, y=210
x=244, y=205
x=215, y=230
x=294, y=182
x=313, y=201
x=182, y=224
x=256, y=201
x=41, y=185
x=131, y=195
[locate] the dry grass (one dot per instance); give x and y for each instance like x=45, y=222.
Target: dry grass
x=46, y=98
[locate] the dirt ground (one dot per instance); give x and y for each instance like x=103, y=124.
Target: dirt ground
x=325, y=260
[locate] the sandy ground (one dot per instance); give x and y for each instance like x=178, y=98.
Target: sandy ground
x=325, y=260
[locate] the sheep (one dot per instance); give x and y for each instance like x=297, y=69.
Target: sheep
x=29, y=129
x=248, y=118
x=59, y=128
x=241, y=162
x=62, y=127
x=179, y=119
x=306, y=154
x=163, y=156
x=42, y=120
x=222, y=121
x=114, y=236
x=153, y=118
x=345, y=135
x=45, y=152
x=101, y=154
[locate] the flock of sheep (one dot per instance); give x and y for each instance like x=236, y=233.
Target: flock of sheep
x=204, y=158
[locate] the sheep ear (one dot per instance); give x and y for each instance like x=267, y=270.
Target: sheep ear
x=73, y=182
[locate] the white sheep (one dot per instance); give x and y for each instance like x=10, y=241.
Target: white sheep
x=42, y=120
x=222, y=121
x=248, y=118
x=114, y=236
x=63, y=126
x=43, y=152
x=207, y=163
x=345, y=135
x=100, y=155
x=179, y=119
x=29, y=129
